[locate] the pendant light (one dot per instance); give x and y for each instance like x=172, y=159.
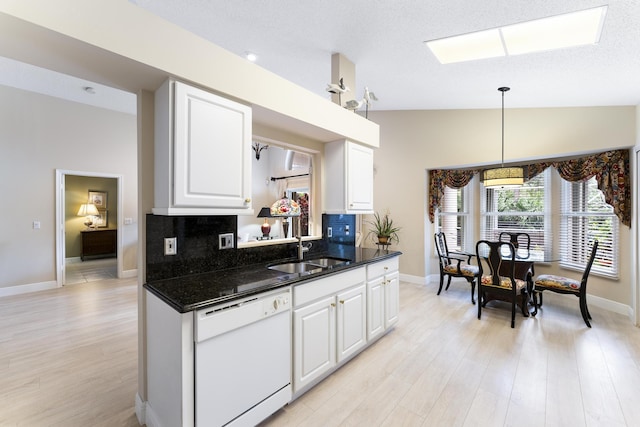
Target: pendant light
x=503, y=177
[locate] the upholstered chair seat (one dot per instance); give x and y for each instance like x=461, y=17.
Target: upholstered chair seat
x=467, y=270
x=505, y=282
x=558, y=282
x=567, y=285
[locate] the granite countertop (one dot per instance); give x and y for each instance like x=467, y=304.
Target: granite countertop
x=198, y=291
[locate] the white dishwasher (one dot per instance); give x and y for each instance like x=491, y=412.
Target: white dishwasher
x=243, y=360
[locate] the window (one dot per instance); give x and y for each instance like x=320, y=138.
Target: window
x=452, y=218
x=520, y=209
x=586, y=217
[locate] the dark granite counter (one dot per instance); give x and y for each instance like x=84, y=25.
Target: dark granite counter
x=197, y=291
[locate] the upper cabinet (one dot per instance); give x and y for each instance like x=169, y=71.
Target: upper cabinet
x=202, y=153
x=349, y=178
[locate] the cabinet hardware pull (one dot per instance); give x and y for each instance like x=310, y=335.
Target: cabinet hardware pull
x=341, y=301
x=333, y=304
x=247, y=200
x=386, y=268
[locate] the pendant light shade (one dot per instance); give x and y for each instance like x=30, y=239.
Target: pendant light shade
x=503, y=177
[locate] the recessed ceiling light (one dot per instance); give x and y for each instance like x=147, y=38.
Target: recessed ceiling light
x=555, y=32
x=251, y=56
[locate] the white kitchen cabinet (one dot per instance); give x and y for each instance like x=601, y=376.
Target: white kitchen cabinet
x=383, y=302
x=352, y=321
x=349, y=178
x=314, y=338
x=202, y=153
x=329, y=325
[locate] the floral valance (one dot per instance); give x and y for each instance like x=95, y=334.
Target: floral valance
x=610, y=168
x=440, y=178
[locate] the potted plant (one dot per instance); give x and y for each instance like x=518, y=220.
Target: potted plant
x=384, y=231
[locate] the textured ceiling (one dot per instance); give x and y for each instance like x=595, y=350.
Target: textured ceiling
x=295, y=39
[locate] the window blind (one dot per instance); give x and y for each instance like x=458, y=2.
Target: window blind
x=585, y=217
x=452, y=218
x=521, y=209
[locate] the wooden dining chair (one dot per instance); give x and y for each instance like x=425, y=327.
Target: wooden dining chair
x=455, y=264
x=497, y=277
x=566, y=285
x=520, y=241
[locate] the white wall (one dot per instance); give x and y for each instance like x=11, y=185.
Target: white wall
x=415, y=141
x=39, y=134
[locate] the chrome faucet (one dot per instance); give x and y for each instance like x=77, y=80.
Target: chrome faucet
x=302, y=248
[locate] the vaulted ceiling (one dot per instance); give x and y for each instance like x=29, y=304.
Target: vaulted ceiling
x=295, y=39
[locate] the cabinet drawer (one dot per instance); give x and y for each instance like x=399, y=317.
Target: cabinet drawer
x=311, y=291
x=383, y=267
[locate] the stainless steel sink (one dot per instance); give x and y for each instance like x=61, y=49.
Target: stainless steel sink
x=327, y=262
x=310, y=266
x=296, y=267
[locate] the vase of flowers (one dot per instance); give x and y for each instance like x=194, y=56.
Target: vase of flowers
x=383, y=231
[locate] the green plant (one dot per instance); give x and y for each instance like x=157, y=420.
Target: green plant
x=383, y=227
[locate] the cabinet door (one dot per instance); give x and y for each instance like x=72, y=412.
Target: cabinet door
x=212, y=163
x=375, y=311
x=314, y=337
x=359, y=177
x=391, y=299
x=352, y=331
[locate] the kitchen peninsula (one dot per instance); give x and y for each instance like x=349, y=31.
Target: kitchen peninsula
x=307, y=324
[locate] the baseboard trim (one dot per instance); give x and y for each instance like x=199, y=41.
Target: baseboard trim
x=151, y=420
x=609, y=305
x=413, y=279
x=28, y=288
x=128, y=274
x=600, y=302
x=140, y=410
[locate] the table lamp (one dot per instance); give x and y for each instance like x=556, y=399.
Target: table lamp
x=88, y=211
x=285, y=208
x=266, y=227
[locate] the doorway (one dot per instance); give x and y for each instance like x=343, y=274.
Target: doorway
x=74, y=189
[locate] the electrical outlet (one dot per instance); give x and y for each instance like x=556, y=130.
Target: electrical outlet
x=170, y=247
x=225, y=241
x=329, y=232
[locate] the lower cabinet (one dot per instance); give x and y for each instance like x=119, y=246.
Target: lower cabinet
x=329, y=324
x=383, y=301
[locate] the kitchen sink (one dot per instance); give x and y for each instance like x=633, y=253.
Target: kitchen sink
x=327, y=262
x=296, y=267
x=309, y=266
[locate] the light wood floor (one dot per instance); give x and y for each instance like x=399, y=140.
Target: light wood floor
x=441, y=366
x=68, y=357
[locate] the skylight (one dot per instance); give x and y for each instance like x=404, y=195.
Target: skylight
x=556, y=32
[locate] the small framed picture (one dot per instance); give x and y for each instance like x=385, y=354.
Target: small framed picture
x=102, y=220
x=98, y=198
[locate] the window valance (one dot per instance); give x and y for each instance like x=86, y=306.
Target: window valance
x=610, y=168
